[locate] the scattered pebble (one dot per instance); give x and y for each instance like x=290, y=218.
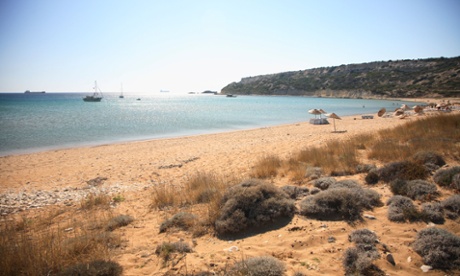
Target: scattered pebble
x=369, y=216
x=232, y=249
x=13, y=202
x=426, y=268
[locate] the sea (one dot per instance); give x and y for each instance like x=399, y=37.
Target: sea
x=34, y=122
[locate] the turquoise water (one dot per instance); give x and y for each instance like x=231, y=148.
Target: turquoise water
x=36, y=122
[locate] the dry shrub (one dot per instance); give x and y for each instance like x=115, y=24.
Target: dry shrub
x=96, y=201
x=344, y=200
x=433, y=212
x=358, y=260
x=166, y=250
x=372, y=177
x=258, y=266
x=405, y=170
x=451, y=206
x=323, y=183
x=295, y=192
x=438, y=248
x=94, y=268
x=119, y=221
x=415, y=189
x=183, y=221
x=447, y=178
x=252, y=203
x=401, y=209
x=363, y=236
x=203, y=187
x=429, y=159
x=266, y=167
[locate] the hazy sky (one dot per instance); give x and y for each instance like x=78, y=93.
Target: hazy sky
x=182, y=46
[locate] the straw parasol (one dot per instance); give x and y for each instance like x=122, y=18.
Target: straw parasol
x=381, y=112
x=399, y=111
x=315, y=112
x=333, y=116
x=418, y=109
x=405, y=107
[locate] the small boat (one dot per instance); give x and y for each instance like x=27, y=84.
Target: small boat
x=121, y=94
x=231, y=96
x=97, y=95
x=28, y=91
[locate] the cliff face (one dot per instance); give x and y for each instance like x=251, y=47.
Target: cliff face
x=434, y=77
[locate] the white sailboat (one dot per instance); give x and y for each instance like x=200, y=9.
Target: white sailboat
x=97, y=95
x=121, y=94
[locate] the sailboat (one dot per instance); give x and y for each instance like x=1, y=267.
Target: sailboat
x=97, y=95
x=121, y=94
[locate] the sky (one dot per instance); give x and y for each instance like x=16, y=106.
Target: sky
x=197, y=45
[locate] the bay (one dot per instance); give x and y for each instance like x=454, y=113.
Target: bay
x=37, y=122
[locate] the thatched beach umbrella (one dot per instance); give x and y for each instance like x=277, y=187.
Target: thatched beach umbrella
x=418, y=109
x=315, y=112
x=405, y=107
x=333, y=116
x=399, y=111
x=381, y=112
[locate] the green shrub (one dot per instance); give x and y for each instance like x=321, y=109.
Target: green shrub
x=258, y=266
x=252, y=203
x=451, y=206
x=433, y=212
x=183, y=221
x=445, y=178
x=295, y=192
x=438, y=248
x=95, y=268
x=406, y=170
x=401, y=209
x=323, y=183
x=119, y=221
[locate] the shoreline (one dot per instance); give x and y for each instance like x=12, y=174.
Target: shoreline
x=145, y=161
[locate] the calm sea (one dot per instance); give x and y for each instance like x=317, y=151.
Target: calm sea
x=36, y=122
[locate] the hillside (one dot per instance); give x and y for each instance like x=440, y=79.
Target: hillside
x=433, y=77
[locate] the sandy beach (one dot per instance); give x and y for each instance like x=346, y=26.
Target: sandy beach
x=134, y=168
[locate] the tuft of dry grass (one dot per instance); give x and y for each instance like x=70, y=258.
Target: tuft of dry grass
x=438, y=134
x=95, y=201
x=165, y=196
x=335, y=157
x=48, y=243
x=203, y=187
x=266, y=167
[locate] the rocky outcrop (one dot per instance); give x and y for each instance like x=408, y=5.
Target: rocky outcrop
x=402, y=78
